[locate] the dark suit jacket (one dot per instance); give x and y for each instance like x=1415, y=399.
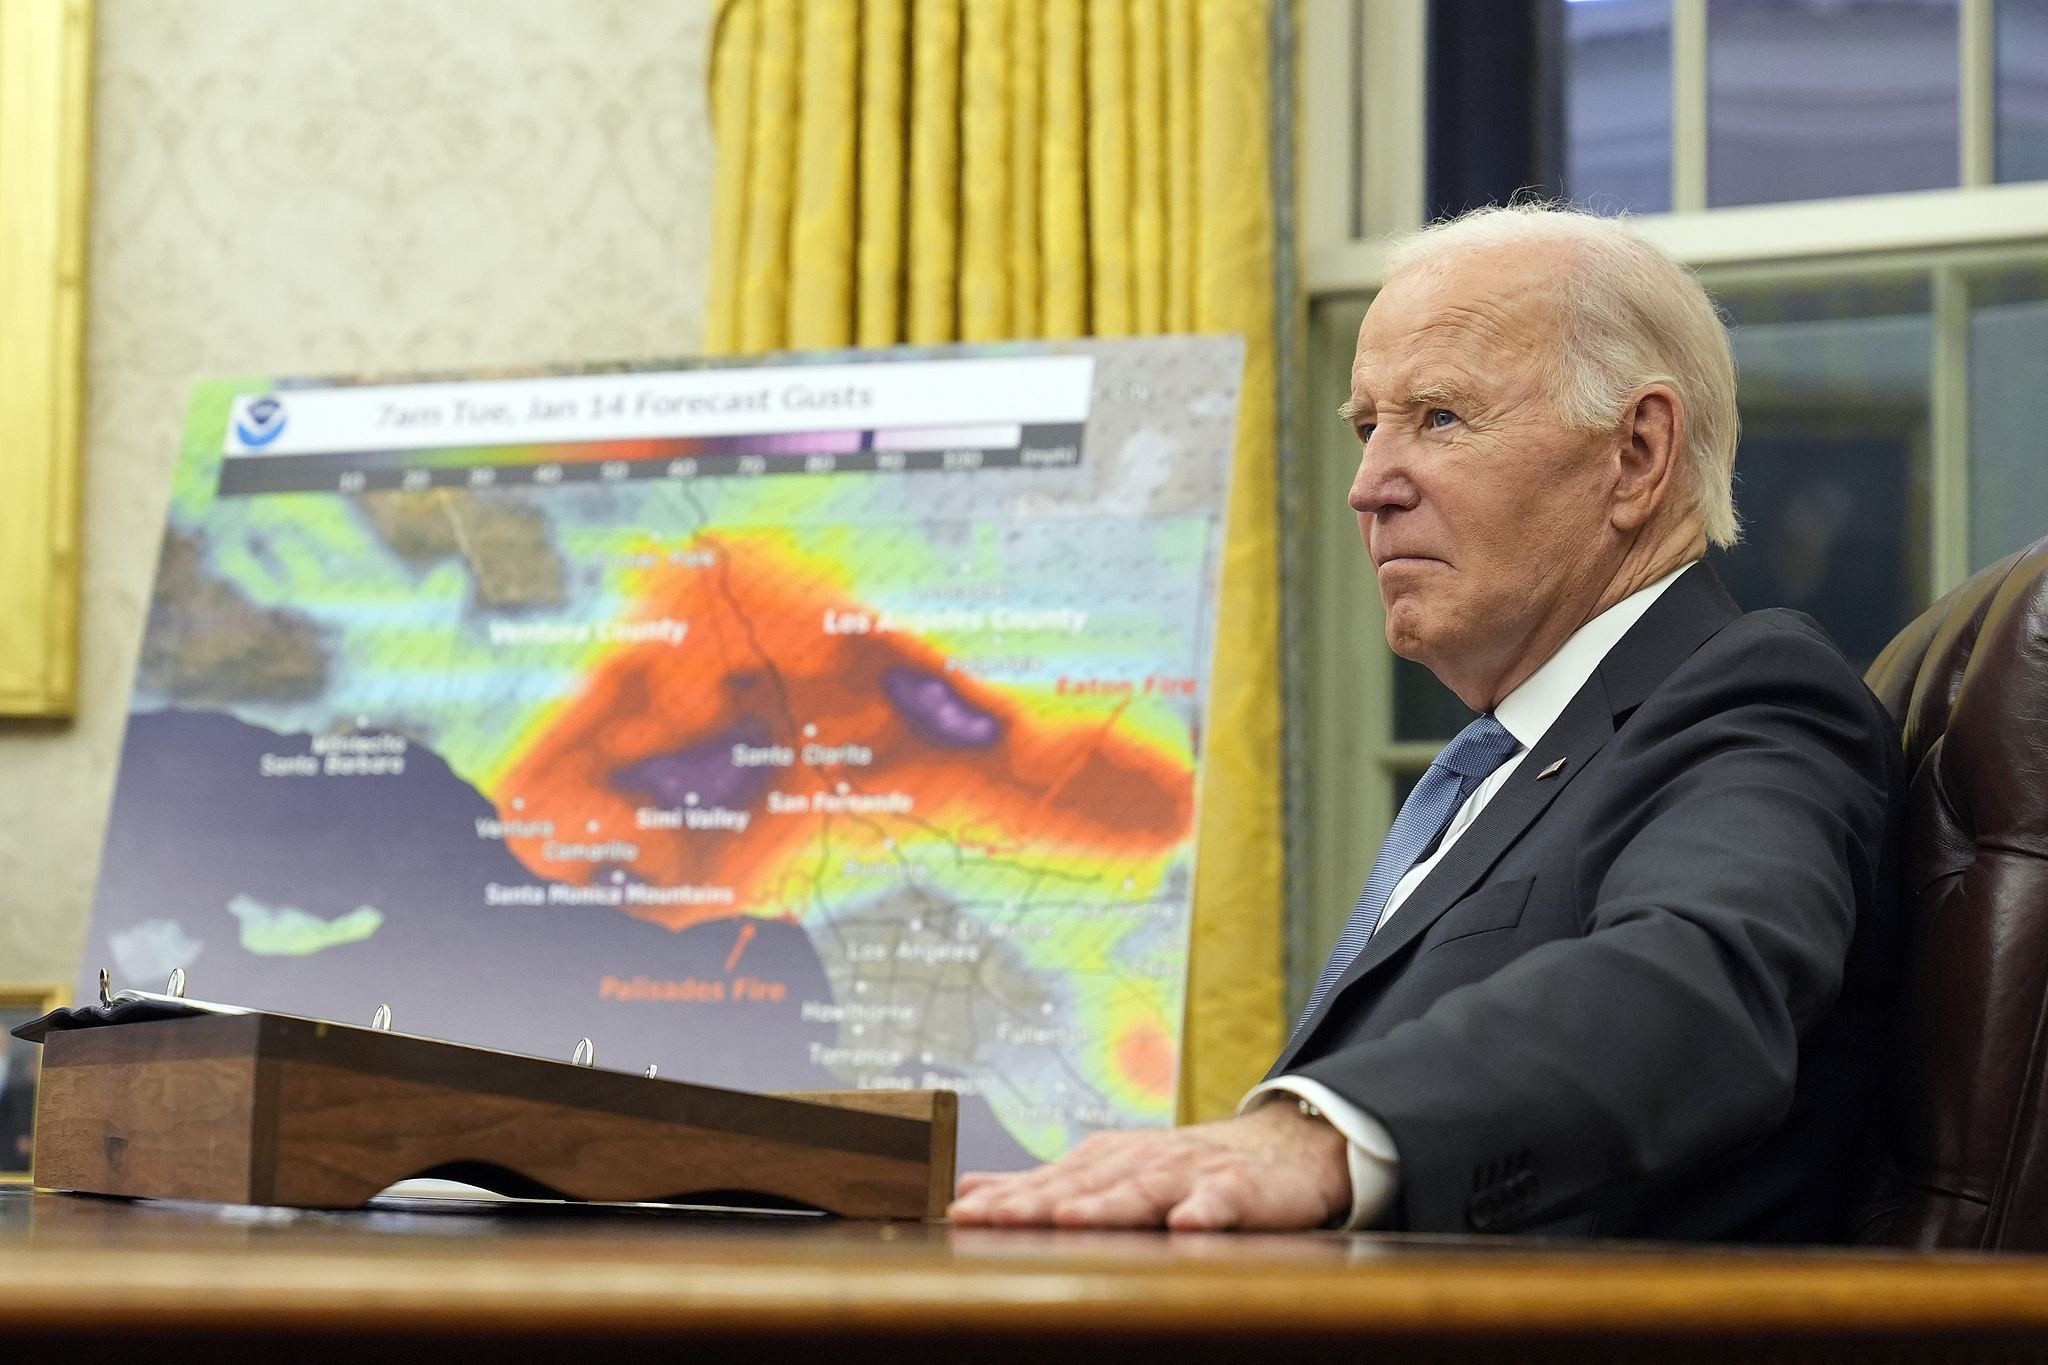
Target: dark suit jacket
x=1648, y=996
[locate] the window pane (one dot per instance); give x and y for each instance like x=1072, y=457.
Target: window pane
x=1833, y=385
x=2023, y=89
x=1813, y=99
x=1618, y=105
x=1423, y=707
x=2008, y=413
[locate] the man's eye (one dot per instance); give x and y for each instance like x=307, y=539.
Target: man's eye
x=1365, y=431
x=1439, y=418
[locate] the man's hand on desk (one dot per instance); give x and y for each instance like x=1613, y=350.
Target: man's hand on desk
x=1273, y=1168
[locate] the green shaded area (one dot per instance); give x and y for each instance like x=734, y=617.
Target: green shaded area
x=288, y=931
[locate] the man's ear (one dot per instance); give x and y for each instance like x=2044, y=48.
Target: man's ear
x=1652, y=432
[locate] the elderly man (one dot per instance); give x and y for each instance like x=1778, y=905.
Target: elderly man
x=1624, y=963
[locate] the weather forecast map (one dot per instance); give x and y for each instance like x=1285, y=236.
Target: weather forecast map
x=828, y=722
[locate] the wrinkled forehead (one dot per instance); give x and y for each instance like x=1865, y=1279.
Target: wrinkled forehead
x=1487, y=311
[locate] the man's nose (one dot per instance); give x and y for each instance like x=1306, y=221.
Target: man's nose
x=1382, y=481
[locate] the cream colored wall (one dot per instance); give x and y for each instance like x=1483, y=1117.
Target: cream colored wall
x=328, y=186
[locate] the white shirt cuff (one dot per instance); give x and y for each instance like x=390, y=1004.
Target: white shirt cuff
x=1369, y=1149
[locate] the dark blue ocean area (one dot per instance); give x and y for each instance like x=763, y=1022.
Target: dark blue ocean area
x=196, y=826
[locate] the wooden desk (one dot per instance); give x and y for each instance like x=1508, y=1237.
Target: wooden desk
x=85, y=1278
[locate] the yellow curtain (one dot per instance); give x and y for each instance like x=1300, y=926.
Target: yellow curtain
x=926, y=171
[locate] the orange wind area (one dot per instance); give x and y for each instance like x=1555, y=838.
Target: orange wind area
x=740, y=767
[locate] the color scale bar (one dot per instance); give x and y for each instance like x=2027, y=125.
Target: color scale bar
x=1032, y=447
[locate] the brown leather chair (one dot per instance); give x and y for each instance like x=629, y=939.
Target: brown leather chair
x=1968, y=681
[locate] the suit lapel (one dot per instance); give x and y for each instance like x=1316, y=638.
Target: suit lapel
x=1585, y=725
x=1689, y=613
x=1577, y=735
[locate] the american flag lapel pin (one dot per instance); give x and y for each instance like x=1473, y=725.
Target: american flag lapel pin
x=1553, y=770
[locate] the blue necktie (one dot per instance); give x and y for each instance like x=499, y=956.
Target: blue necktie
x=1465, y=762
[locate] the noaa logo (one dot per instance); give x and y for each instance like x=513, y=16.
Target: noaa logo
x=261, y=421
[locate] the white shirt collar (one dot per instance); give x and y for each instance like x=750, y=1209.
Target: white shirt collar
x=1532, y=708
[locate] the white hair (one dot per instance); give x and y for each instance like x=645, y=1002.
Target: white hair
x=1630, y=316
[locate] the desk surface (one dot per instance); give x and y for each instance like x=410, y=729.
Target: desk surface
x=78, y=1271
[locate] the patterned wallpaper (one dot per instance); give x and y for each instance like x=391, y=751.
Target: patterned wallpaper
x=330, y=186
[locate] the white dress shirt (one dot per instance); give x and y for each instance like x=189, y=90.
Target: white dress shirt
x=1526, y=713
